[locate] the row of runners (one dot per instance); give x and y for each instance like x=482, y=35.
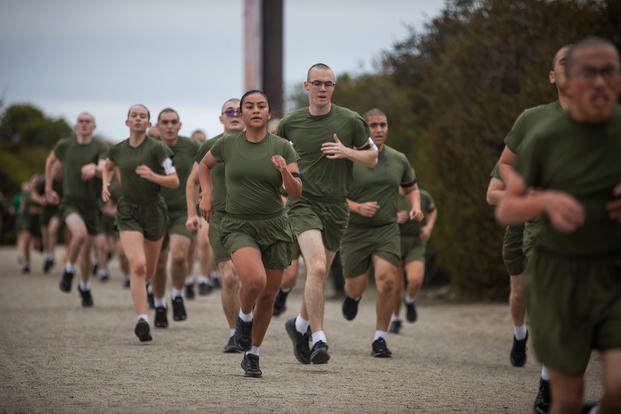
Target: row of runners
x=260, y=216
x=342, y=192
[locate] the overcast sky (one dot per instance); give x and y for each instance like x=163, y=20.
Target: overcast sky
x=102, y=56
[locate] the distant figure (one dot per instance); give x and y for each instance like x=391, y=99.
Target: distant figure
x=153, y=132
x=372, y=239
x=199, y=136
x=145, y=165
x=81, y=158
x=177, y=238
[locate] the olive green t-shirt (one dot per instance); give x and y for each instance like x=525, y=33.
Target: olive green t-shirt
x=527, y=120
x=324, y=179
x=252, y=182
x=380, y=183
x=412, y=227
x=582, y=160
x=184, y=152
x=218, y=186
x=152, y=153
x=73, y=157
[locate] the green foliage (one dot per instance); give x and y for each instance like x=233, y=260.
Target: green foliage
x=26, y=124
x=26, y=138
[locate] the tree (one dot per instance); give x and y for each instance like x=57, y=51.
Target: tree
x=26, y=137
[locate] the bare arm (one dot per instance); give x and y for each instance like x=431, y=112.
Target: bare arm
x=193, y=222
x=425, y=231
x=519, y=205
x=412, y=194
x=293, y=185
x=495, y=191
x=365, y=209
x=204, y=177
x=614, y=206
x=170, y=180
x=106, y=171
x=50, y=194
x=336, y=150
x=506, y=161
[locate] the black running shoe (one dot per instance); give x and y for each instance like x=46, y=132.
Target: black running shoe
x=243, y=334
x=395, y=326
x=280, y=302
x=142, y=331
x=48, y=265
x=65, y=281
x=350, y=308
x=104, y=277
x=204, y=288
x=87, y=298
x=95, y=268
x=231, y=346
x=518, y=352
x=179, y=309
x=319, y=353
x=379, y=349
x=588, y=406
x=161, y=320
x=250, y=365
x=189, y=291
x=542, y=400
x=25, y=269
x=411, y=314
x=126, y=282
x=215, y=281
x=301, y=349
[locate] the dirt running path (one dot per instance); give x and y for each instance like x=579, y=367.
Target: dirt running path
x=56, y=357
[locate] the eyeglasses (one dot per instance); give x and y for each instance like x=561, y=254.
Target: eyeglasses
x=169, y=121
x=590, y=73
x=326, y=84
x=232, y=112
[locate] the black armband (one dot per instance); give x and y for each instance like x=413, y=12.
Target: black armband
x=410, y=184
x=296, y=174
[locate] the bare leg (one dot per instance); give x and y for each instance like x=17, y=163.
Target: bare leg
x=611, y=401
x=567, y=392
x=229, y=293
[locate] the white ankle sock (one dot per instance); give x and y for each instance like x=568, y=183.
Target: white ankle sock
x=144, y=316
x=301, y=324
x=245, y=317
x=176, y=293
x=380, y=334
x=254, y=350
x=159, y=302
x=545, y=374
x=519, y=332
x=319, y=336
